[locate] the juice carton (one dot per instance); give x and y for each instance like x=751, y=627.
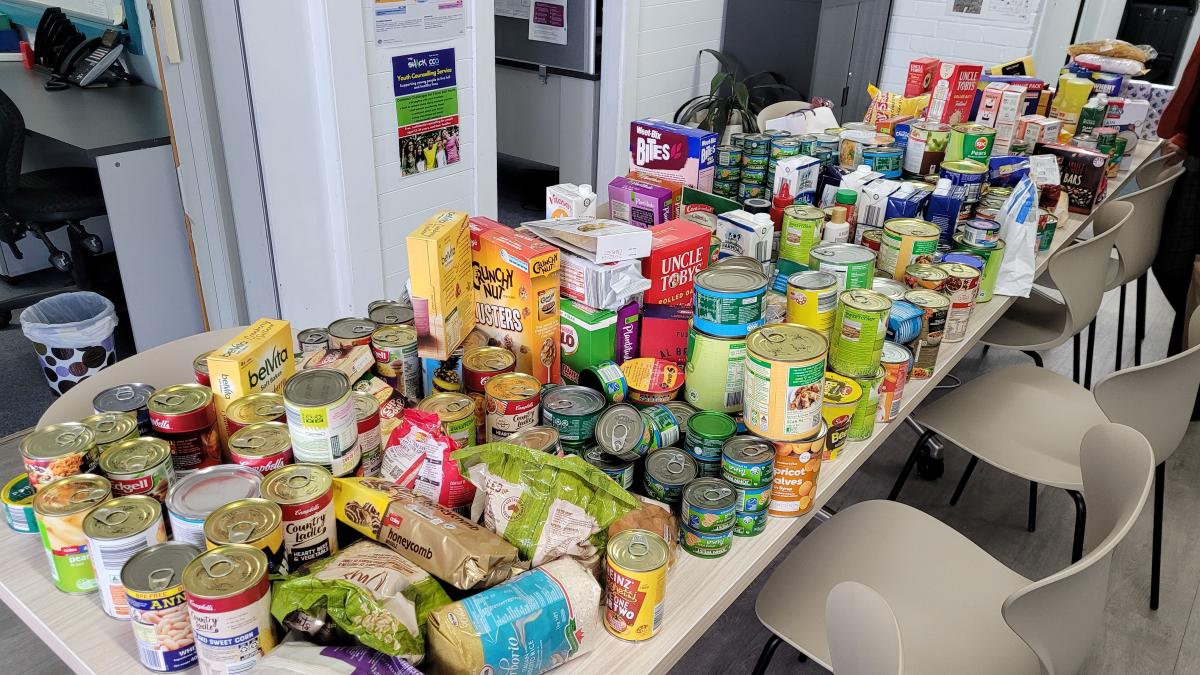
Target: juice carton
x=568, y=200
x=1035, y=129
x=259, y=359
x=665, y=331
x=673, y=152
x=439, y=262
x=953, y=92
x=639, y=203
x=921, y=73
x=588, y=336
x=679, y=251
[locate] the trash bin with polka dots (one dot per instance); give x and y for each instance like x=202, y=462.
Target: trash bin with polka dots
x=72, y=334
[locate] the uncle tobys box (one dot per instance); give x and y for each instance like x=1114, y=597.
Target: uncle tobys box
x=680, y=249
x=673, y=152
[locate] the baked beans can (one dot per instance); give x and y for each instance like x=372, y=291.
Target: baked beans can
x=664, y=428
x=111, y=428
x=312, y=339
x=842, y=396
x=541, y=438
x=636, y=584
x=264, y=447
x=991, y=258
x=812, y=299
x=254, y=408
x=926, y=276
x=117, y=530
x=620, y=470
x=705, y=544
x=153, y=582
x=255, y=522
x=707, y=432
x=971, y=141
x=139, y=466
x=785, y=377
x=708, y=505
x=370, y=438
x=57, y=451
x=321, y=421
x=896, y=361
x=305, y=494
x=667, y=471
x=906, y=241
x=653, y=381
x=714, y=371
x=61, y=507
x=127, y=398
x=797, y=466
x=18, y=505
x=859, y=329
x=456, y=412
x=200, y=368
x=753, y=499
x=862, y=423
x=573, y=410
x=396, y=360
x=622, y=432
x=800, y=231
x=729, y=300
x=852, y=265
x=967, y=175
x=193, y=497
x=350, y=332
x=926, y=149
x=747, y=462
x=184, y=416
x=962, y=287
x=513, y=403
x=229, y=602
x=606, y=377
x=934, y=307
x=390, y=314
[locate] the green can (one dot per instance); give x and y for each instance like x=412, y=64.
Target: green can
x=726, y=188
x=60, y=507
x=808, y=143
x=970, y=141
x=1047, y=226
x=753, y=499
x=572, y=410
x=756, y=176
x=784, y=147
x=859, y=330
x=756, y=144
x=749, y=524
x=664, y=428
x=851, y=264
x=862, y=423
x=992, y=257
x=622, y=432
x=707, y=432
x=707, y=505
x=705, y=544
x=619, y=470
x=748, y=461
x=759, y=162
x=18, y=504
x=668, y=470
x=729, y=155
x=729, y=173
x=800, y=232
x=738, y=140
x=606, y=377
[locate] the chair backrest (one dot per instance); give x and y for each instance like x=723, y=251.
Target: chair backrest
x=12, y=143
x=1156, y=398
x=1080, y=270
x=864, y=636
x=1138, y=244
x=1060, y=616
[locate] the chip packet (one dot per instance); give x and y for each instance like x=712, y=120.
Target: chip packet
x=417, y=456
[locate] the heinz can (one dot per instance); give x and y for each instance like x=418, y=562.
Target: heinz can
x=606, y=377
x=797, y=466
x=862, y=423
x=313, y=339
x=705, y=544
x=962, y=287
x=321, y=421
x=925, y=275
x=895, y=361
x=350, y=332
x=513, y=403
x=800, y=231
x=619, y=470
x=186, y=418
x=370, y=438
x=573, y=410
x=622, y=432
x=636, y=583
x=729, y=301
x=229, y=601
x=785, y=376
x=57, y=451
x=859, y=329
x=970, y=141
x=852, y=265
x=906, y=241
x=127, y=398
x=842, y=396
x=708, y=505
x=715, y=371
x=927, y=142
x=747, y=462
x=305, y=494
x=153, y=582
x=18, y=505
x=264, y=447
x=117, y=530
x=396, y=360
x=61, y=507
x=935, y=307
x=255, y=522
x=111, y=428
x=141, y=466
x=254, y=408
x=456, y=412
x=812, y=299
x=666, y=472
x=200, y=368
x=195, y=496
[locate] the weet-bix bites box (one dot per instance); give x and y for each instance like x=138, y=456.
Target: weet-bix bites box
x=673, y=152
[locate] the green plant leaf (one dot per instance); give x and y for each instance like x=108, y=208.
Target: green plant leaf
x=727, y=64
x=717, y=81
x=742, y=94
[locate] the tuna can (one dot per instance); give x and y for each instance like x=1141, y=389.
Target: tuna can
x=391, y=314
x=904, y=321
x=682, y=412
x=962, y=286
x=862, y=424
x=200, y=369
x=896, y=361
x=727, y=188
x=981, y=233
x=925, y=275
x=784, y=147
x=264, y=447
x=851, y=264
x=57, y=451
x=934, y=307
x=636, y=583
x=457, y=415
x=541, y=438
x=321, y=421
x=807, y=143
x=971, y=141
x=707, y=432
x=797, y=466
x=619, y=470
x=889, y=288
x=61, y=507
x=747, y=461
x=729, y=174
x=785, y=375
x=117, y=530
x=621, y=432
x=229, y=601
x=756, y=144
x=606, y=377
x=193, y=497
x=153, y=581
x=855, y=142
x=705, y=545
x=513, y=402
x=828, y=140
x=754, y=163
x=186, y=418
x=255, y=522
x=753, y=499
x=313, y=339
x=572, y=410
x=665, y=430
x=668, y=470
x=800, y=231
x=737, y=140
x=139, y=466
x=750, y=190
x=906, y=241
x=18, y=505
x=254, y=408
x=749, y=524
x=370, y=438
x=715, y=371
x=707, y=469
x=926, y=149
x=992, y=258
x=350, y=332
x=396, y=360
x=842, y=396
x=304, y=492
x=859, y=329
x=966, y=175
x=127, y=398
x=729, y=155
x=707, y=505
x=887, y=160
x=756, y=176
x=872, y=238
x=729, y=300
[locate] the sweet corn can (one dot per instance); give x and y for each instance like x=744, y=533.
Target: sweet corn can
x=862, y=424
x=320, y=415
x=456, y=412
x=812, y=299
x=785, y=376
x=859, y=329
x=61, y=507
x=636, y=582
x=229, y=601
x=116, y=530
x=153, y=581
x=934, y=307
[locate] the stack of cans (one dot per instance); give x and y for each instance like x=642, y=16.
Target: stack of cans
x=707, y=432
x=756, y=156
x=729, y=168
x=783, y=145
x=748, y=463
x=707, y=517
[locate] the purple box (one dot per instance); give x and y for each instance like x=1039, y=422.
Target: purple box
x=628, y=331
x=639, y=203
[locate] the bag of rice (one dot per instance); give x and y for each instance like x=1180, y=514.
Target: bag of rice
x=546, y=506
x=525, y=626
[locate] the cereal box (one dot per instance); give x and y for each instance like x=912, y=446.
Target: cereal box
x=953, y=92
x=679, y=251
x=516, y=296
x=638, y=203
x=259, y=359
x=921, y=73
x=589, y=336
x=673, y=152
x=439, y=264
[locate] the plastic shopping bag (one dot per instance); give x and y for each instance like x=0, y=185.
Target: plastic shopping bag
x=1018, y=229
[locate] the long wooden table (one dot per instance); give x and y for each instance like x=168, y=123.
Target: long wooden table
x=698, y=590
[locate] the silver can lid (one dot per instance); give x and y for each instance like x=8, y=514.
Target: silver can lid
x=123, y=398
x=198, y=494
x=312, y=388
x=621, y=431
x=573, y=400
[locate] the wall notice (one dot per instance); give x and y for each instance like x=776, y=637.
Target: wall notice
x=548, y=21
x=410, y=22
x=513, y=9
x=426, y=90
x=1002, y=11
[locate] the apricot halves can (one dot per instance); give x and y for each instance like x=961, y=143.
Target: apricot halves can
x=797, y=465
x=636, y=575
x=785, y=377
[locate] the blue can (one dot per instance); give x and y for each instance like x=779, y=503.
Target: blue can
x=729, y=301
x=888, y=160
x=753, y=499
x=967, y=175
x=965, y=258
x=904, y=322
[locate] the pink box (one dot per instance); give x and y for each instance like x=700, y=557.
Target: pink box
x=638, y=202
x=673, y=152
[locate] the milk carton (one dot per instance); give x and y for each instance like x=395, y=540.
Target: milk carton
x=801, y=174
x=673, y=152
x=568, y=200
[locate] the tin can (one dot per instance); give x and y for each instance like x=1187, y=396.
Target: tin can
x=855, y=142
x=117, y=530
x=139, y=466
x=862, y=424
x=729, y=155
x=254, y=522
x=18, y=505
x=665, y=430
x=927, y=142
x=812, y=299
x=186, y=418
x=828, y=140
x=481, y=364
x=254, y=408
x=370, y=438
x=851, y=264
x=127, y=398
x=350, y=332
x=926, y=276
x=264, y=447
x=749, y=524
x=729, y=300
x=1047, y=226
x=60, y=507
x=682, y=412
x=962, y=286
x=621, y=432
x=304, y=492
x=753, y=499
x=971, y=141
x=513, y=402
x=312, y=339
x=229, y=602
x=896, y=361
x=906, y=241
x=742, y=262
x=707, y=432
x=391, y=314
x=872, y=239
x=708, y=504
x=541, y=438
x=200, y=368
x=636, y=583
x=57, y=451
x=755, y=176
x=797, y=467
x=784, y=147
x=321, y=421
x=785, y=375
x=747, y=461
x=153, y=582
x=841, y=399
x=754, y=163
x=887, y=160
x=606, y=377
x=193, y=497
x=668, y=470
x=457, y=415
x=889, y=288
x=652, y=381
x=573, y=410
x=756, y=144
x=396, y=360
x=715, y=371
x=619, y=470
x=749, y=190
x=980, y=233
x=729, y=174
x=992, y=259
x=964, y=258
x=859, y=329
x=705, y=545
x=727, y=188
x=935, y=308
x=967, y=175
x=800, y=232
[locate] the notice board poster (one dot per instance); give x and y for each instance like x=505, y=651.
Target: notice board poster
x=408, y=22
x=426, y=89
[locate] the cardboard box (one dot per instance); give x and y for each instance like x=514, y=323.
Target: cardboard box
x=353, y=362
x=588, y=336
x=673, y=152
x=1036, y=129
x=873, y=202
x=629, y=334
x=921, y=74
x=1033, y=90
x=439, y=265
x=801, y=173
x=259, y=359
x=953, y=92
x=638, y=202
x=665, y=331
x=568, y=200
x=675, y=187
x=600, y=240
x=1082, y=174
x=679, y=251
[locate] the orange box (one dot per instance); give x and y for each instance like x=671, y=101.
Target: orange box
x=439, y=267
x=675, y=188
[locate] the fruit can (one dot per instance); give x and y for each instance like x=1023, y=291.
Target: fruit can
x=264, y=447
x=320, y=414
x=255, y=522
x=962, y=287
x=117, y=530
x=749, y=523
x=153, y=582
x=971, y=141
x=195, y=496
x=785, y=377
x=707, y=432
x=636, y=584
x=862, y=423
x=800, y=231
x=304, y=492
x=61, y=507
x=753, y=499
x=841, y=398
x=664, y=429
x=859, y=329
x=457, y=415
x=396, y=360
x=513, y=403
x=925, y=275
x=606, y=377
x=229, y=601
x=619, y=470
x=851, y=264
x=141, y=466
x=715, y=371
x=18, y=505
x=667, y=471
x=934, y=307
x=350, y=332
x=812, y=299
x=729, y=300
x=906, y=241
x=797, y=466
x=652, y=381
x=127, y=398
x=747, y=461
x=705, y=544
x=926, y=149
x=111, y=428
x=622, y=432
x=708, y=505
x=250, y=409
x=573, y=411
x=185, y=417
x=57, y=451
x=896, y=361
x=370, y=438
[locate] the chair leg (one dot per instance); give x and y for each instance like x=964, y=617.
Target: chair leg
x=983, y=354
x=1037, y=358
x=1120, y=330
x=1160, y=488
x=908, y=466
x=764, y=657
x=1032, y=526
x=1091, y=350
x=962, y=482
x=1080, y=524
x=1075, y=370
x=1139, y=329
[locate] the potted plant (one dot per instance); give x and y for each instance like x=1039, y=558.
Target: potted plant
x=732, y=102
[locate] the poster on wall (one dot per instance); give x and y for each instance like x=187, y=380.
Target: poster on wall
x=1001, y=11
x=410, y=22
x=548, y=21
x=513, y=9
x=426, y=90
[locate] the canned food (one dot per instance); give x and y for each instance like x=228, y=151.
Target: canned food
x=872, y=238
x=350, y=332
x=756, y=144
x=854, y=142
x=934, y=307
x=906, y=241
x=784, y=147
x=859, y=329
x=797, y=466
x=752, y=499
x=887, y=160
x=708, y=504
x=962, y=286
x=396, y=359
x=842, y=396
x=862, y=424
x=200, y=369
x=967, y=175
x=186, y=418
x=254, y=522
x=727, y=188
x=729, y=174
x=749, y=190
x=57, y=451
x=1047, y=226
x=800, y=231
x=622, y=432
x=370, y=438
x=254, y=408
x=391, y=314
x=971, y=141
x=924, y=275
x=927, y=142
x=895, y=361
x=729, y=155
x=812, y=299
x=703, y=544
x=667, y=471
x=304, y=492
x=573, y=410
x=851, y=264
x=313, y=339
x=111, y=428
x=981, y=233
x=715, y=376
x=229, y=601
x=747, y=461
x=264, y=447
x=785, y=375
x=18, y=505
x=729, y=300
x=321, y=420
x=636, y=583
x=540, y=438
x=754, y=175
x=457, y=415
x=749, y=524
x=605, y=377
x=754, y=162
x=153, y=581
x=481, y=364
x=513, y=403
x=707, y=432
x=991, y=259
x=61, y=507
x=127, y=398
x=652, y=381
x=115, y=531
x=682, y=412
x=743, y=262
x=193, y=497
x=140, y=466
x=890, y=288
x=619, y=470
x=664, y=429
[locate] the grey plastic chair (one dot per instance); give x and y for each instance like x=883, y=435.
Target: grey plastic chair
x=958, y=609
x=864, y=638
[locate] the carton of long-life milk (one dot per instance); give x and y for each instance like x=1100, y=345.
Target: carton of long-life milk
x=259, y=359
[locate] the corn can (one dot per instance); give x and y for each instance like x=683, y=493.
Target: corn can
x=715, y=371
x=18, y=505
x=797, y=466
x=785, y=378
x=962, y=287
x=862, y=424
x=812, y=299
x=162, y=630
x=396, y=360
x=56, y=451
x=255, y=522
x=896, y=361
x=636, y=584
x=117, y=530
x=456, y=413
x=61, y=507
x=934, y=307
x=321, y=421
x=859, y=329
x=264, y=447
x=841, y=399
x=906, y=241
x=229, y=601
x=250, y=409
x=513, y=403
x=111, y=428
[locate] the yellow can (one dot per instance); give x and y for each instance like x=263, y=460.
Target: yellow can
x=841, y=398
x=636, y=583
x=255, y=522
x=906, y=241
x=811, y=300
x=785, y=378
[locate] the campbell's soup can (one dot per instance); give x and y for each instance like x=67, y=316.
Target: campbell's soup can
x=162, y=629
x=370, y=438
x=320, y=413
x=255, y=522
x=636, y=575
x=61, y=507
x=186, y=418
x=513, y=403
x=140, y=466
x=264, y=447
x=229, y=601
x=254, y=408
x=200, y=368
x=115, y=531
x=304, y=492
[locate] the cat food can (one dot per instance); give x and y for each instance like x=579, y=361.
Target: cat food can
x=18, y=505
x=925, y=275
x=573, y=411
x=304, y=492
x=664, y=429
x=962, y=287
x=619, y=470
x=264, y=447
x=842, y=396
x=200, y=369
x=255, y=522
x=457, y=415
x=652, y=381
x=185, y=416
x=350, y=332
x=812, y=300
x=747, y=461
x=800, y=231
x=906, y=241
x=606, y=377
x=708, y=504
x=926, y=149
x=193, y=497
x=859, y=329
x=729, y=301
x=229, y=601
x=753, y=499
x=797, y=466
x=785, y=378
x=254, y=408
x=57, y=451
x=111, y=428
x=513, y=403
x=127, y=398
x=321, y=421
x=749, y=523
x=61, y=507
x=896, y=361
x=313, y=339
x=370, y=438
x=991, y=258
x=705, y=544
x=967, y=175
x=636, y=584
x=715, y=371
x=396, y=360
x=934, y=307
x=862, y=424
x=667, y=471
x=707, y=432
x=140, y=466
x=851, y=264
x=117, y=530
x=622, y=432
x=153, y=581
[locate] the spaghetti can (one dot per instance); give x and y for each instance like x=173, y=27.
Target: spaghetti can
x=747, y=461
x=665, y=430
x=851, y=264
x=57, y=451
x=859, y=329
x=140, y=466
x=153, y=582
x=926, y=149
x=962, y=287
x=622, y=432
x=785, y=375
x=862, y=423
x=797, y=467
x=715, y=371
x=513, y=403
x=968, y=176
x=619, y=470
x=800, y=231
x=895, y=361
x=749, y=523
x=841, y=399
x=606, y=377
x=753, y=499
x=971, y=141
x=18, y=505
x=934, y=307
x=708, y=504
x=111, y=428
x=320, y=414
x=390, y=314
x=185, y=417
x=707, y=432
x=456, y=412
x=925, y=275
x=812, y=299
x=229, y=601
x=636, y=583
x=312, y=339
x=705, y=544
x=906, y=241
x=350, y=332
x=304, y=492
x=992, y=258
x=200, y=368
x=396, y=360
x=61, y=507
x=667, y=471
x=652, y=381
x=573, y=410
x=195, y=496
x=255, y=522
x=117, y=530
x=127, y=398
x=370, y=438
x=264, y=447
x=250, y=409
x=729, y=300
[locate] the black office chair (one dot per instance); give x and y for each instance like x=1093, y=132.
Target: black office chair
x=42, y=201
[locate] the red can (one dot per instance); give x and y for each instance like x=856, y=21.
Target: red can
x=264, y=447
x=481, y=364
x=872, y=238
x=200, y=368
x=252, y=409
x=351, y=332
x=370, y=441
x=513, y=402
x=184, y=416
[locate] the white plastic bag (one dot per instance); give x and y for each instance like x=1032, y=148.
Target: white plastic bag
x=1018, y=229
x=80, y=319
x=811, y=121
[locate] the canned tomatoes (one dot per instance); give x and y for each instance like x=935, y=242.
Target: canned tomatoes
x=962, y=286
x=664, y=428
x=305, y=494
x=934, y=307
x=185, y=417
x=862, y=424
x=396, y=360
x=456, y=412
x=127, y=398
x=61, y=507
x=18, y=505
x=924, y=275
x=313, y=339
x=622, y=432
x=895, y=361
x=57, y=451
x=785, y=375
x=111, y=428
x=117, y=530
x=708, y=504
x=715, y=371
x=747, y=461
x=619, y=470
x=350, y=332
x=254, y=408
x=264, y=447
x=797, y=465
x=229, y=601
x=852, y=265
x=842, y=396
x=707, y=432
x=859, y=329
x=636, y=582
x=196, y=495
x=141, y=466
x=153, y=581
x=705, y=545
x=906, y=241
x=812, y=299
x=606, y=377
x=255, y=522
x=321, y=420
x=573, y=410
x=513, y=402
x=800, y=231
x=729, y=300
x=667, y=471
x=370, y=438
x=200, y=368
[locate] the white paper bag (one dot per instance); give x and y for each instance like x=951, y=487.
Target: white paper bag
x=813, y=121
x=1018, y=229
